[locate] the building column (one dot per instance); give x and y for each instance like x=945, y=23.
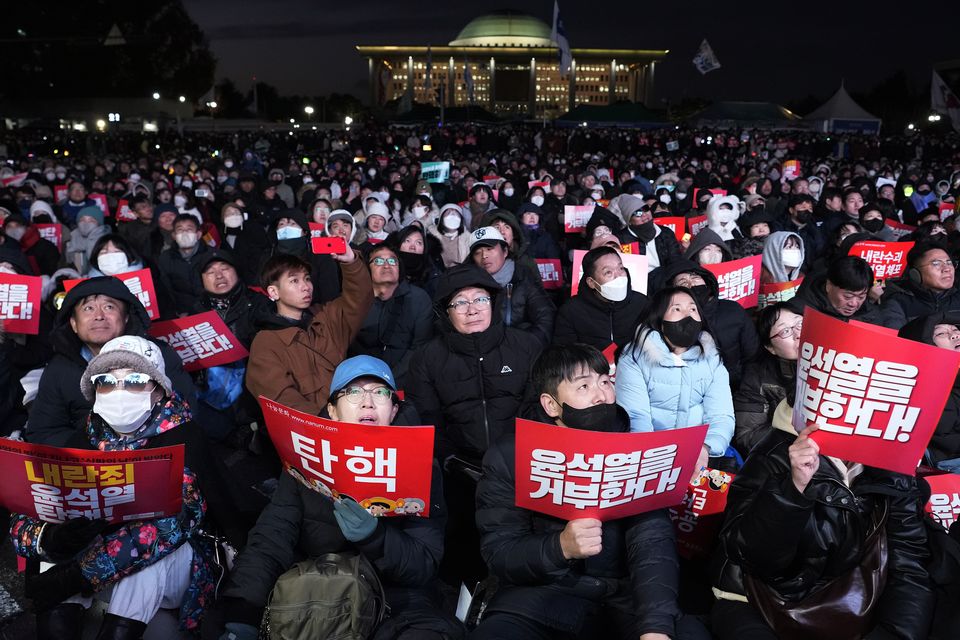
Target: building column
x=410, y=83
x=648, y=85
x=373, y=82
x=572, y=89
x=532, y=102
x=492, y=84
x=451, y=84
x=612, y=88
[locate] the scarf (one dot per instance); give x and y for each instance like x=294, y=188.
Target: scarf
x=165, y=416
x=505, y=275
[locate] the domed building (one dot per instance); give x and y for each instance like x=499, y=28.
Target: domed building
x=514, y=66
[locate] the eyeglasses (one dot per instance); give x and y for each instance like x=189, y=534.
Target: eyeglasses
x=379, y=262
x=460, y=306
x=380, y=395
x=784, y=333
x=941, y=264
x=132, y=382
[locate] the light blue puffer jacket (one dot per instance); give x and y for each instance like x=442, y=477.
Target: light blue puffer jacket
x=660, y=390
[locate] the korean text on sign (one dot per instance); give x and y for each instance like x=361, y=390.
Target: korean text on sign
x=550, y=273
x=383, y=465
x=20, y=303
x=54, y=484
x=774, y=292
x=944, y=503
x=887, y=259
x=875, y=402
x=201, y=341
x=571, y=474
x=738, y=280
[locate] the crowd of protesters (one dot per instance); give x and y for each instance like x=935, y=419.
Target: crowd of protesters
x=435, y=291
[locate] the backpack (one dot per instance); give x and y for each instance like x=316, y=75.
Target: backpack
x=337, y=596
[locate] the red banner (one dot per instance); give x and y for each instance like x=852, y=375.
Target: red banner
x=697, y=520
x=571, y=473
x=101, y=201
x=491, y=180
x=550, y=273
x=124, y=212
x=635, y=265
x=677, y=224
x=202, y=341
x=52, y=232
x=53, y=484
x=887, y=331
x=60, y=193
x=739, y=280
x=774, y=292
x=696, y=224
x=791, y=169
x=630, y=248
x=947, y=209
x=140, y=284
x=944, y=503
x=887, y=259
x=316, y=230
x=20, y=303
x=543, y=184
x=899, y=230
x=876, y=401
x=386, y=469
x=575, y=218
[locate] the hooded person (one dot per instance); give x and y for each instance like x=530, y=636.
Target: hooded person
x=43, y=255
x=606, y=309
x=843, y=291
x=480, y=202
x=245, y=239
x=148, y=563
x=722, y=213
x=277, y=178
x=289, y=233
x=89, y=229
x=707, y=248
x=942, y=330
x=658, y=243
x=783, y=257
x=178, y=263
x=92, y=313
x=509, y=227
x=730, y=324
x=450, y=229
x=420, y=256
x=341, y=223
x=540, y=244
x=469, y=381
x=374, y=225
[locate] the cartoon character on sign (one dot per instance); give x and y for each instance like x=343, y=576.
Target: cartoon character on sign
x=410, y=507
x=378, y=506
x=315, y=485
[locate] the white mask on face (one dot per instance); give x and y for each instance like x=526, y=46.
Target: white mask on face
x=186, y=240
x=419, y=211
x=665, y=198
x=234, y=221
x=710, y=257
x=681, y=195
x=111, y=264
x=791, y=258
x=616, y=289
x=123, y=410
x=451, y=221
x=289, y=233
x=537, y=200
x=180, y=201
x=508, y=192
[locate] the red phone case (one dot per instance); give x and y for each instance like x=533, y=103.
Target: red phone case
x=329, y=245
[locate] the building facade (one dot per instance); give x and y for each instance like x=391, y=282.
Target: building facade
x=514, y=69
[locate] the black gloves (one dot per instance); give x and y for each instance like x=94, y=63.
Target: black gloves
x=64, y=541
x=50, y=588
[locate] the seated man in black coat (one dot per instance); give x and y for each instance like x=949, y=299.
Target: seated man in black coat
x=583, y=578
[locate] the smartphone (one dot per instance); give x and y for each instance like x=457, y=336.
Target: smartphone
x=201, y=193
x=335, y=244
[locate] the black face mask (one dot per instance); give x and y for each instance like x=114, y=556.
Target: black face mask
x=413, y=263
x=645, y=232
x=701, y=292
x=804, y=216
x=872, y=225
x=682, y=333
x=293, y=246
x=599, y=417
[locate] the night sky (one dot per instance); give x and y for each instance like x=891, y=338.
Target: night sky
x=768, y=50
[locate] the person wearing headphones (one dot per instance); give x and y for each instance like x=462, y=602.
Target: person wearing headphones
x=928, y=287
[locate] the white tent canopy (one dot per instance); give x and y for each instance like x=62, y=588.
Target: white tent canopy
x=842, y=114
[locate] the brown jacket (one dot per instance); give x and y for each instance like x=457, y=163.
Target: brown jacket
x=294, y=366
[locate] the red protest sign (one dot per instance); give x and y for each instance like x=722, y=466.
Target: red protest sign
x=575, y=218
x=543, y=184
x=630, y=248
x=491, y=180
x=899, y=229
x=53, y=484
x=696, y=224
x=571, y=473
x=677, y=224
x=101, y=201
x=20, y=303
x=52, y=232
x=715, y=192
x=791, y=169
x=887, y=259
x=202, y=341
x=124, y=212
x=15, y=180
x=944, y=503
x=140, y=284
x=875, y=401
x=872, y=327
x=697, y=519
x=739, y=280
x=316, y=230
x=550, y=273
x=774, y=292
x=60, y=193
x=947, y=209
x=636, y=266
x=386, y=469
x=610, y=353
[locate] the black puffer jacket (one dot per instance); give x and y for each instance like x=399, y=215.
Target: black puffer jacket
x=299, y=523
x=764, y=384
x=668, y=249
x=59, y=413
x=527, y=307
x=591, y=319
x=247, y=310
x=905, y=300
x=522, y=549
x=796, y=542
x=470, y=386
x=813, y=293
x=730, y=324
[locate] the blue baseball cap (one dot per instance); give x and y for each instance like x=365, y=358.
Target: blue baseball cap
x=360, y=367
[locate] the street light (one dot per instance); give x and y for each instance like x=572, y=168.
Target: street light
x=308, y=110
x=183, y=99
x=212, y=104
x=101, y=124
x=934, y=117
x=348, y=121
x=156, y=95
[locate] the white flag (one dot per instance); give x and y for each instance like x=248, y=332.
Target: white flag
x=468, y=80
x=943, y=100
x=706, y=60
x=559, y=35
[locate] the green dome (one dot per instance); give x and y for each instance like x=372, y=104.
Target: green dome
x=504, y=29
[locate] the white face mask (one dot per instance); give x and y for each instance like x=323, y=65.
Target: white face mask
x=419, y=211
x=616, y=289
x=791, y=258
x=234, y=221
x=228, y=164
x=710, y=257
x=112, y=263
x=180, y=201
x=597, y=195
x=508, y=192
x=221, y=179
x=186, y=240
x=537, y=200
x=681, y=195
x=451, y=221
x=665, y=198
x=289, y=233
x=123, y=410
x=87, y=227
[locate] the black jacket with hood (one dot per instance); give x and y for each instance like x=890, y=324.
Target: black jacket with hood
x=324, y=271
x=813, y=293
x=58, y=415
x=591, y=319
x=470, y=386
